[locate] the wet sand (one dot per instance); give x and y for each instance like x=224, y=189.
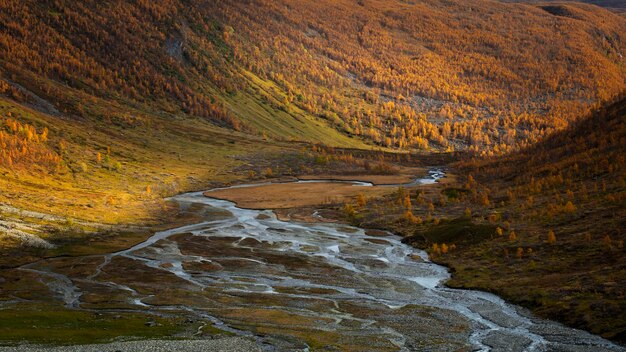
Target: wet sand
x=312, y=191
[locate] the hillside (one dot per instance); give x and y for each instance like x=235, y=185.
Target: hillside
x=487, y=76
x=567, y=206
x=108, y=107
x=617, y=6
x=543, y=227
x=445, y=74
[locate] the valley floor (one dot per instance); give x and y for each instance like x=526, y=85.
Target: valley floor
x=232, y=344
x=107, y=291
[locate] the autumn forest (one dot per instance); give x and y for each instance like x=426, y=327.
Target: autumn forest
x=487, y=136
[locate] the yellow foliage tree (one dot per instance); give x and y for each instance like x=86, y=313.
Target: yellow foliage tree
x=569, y=207
x=348, y=209
x=361, y=201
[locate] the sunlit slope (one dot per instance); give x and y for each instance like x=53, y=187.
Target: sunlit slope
x=489, y=77
x=425, y=74
x=144, y=99
x=128, y=116
x=151, y=57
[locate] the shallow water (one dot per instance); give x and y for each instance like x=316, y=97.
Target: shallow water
x=314, y=286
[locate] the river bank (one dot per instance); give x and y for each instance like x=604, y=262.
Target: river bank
x=296, y=286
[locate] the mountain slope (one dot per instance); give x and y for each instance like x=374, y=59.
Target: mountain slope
x=542, y=227
x=498, y=74
x=615, y=5
x=138, y=56
x=565, y=200
x=139, y=95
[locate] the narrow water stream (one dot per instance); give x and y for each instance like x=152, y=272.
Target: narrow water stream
x=314, y=286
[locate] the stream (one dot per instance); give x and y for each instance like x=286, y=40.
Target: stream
x=307, y=286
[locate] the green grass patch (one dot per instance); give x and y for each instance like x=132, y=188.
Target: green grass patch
x=454, y=193
x=60, y=326
x=459, y=230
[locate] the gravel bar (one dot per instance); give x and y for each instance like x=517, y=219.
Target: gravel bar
x=226, y=344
